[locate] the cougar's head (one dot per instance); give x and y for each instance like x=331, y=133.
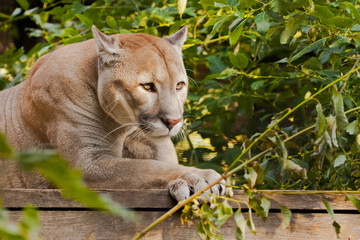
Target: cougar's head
x=142, y=80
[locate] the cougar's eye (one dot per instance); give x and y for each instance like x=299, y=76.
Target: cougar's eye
x=149, y=87
x=180, y=85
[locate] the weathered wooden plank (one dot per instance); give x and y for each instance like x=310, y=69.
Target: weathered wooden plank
x=94, y=225
x=155, y=199
x=52, y=198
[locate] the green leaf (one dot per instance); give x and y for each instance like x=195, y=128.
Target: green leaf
x=314, y=46
x=111, y=22
x=322, y=12
x=240, y=225
x=200, y=229
x=250, y=222
x=265, y=204
x=313, y=63
x=6, y=150
x=221, y=214
x=286, y=214
x=16, y=12
x=339, y=160
x=355, y=201
x=257, y=85
x=353, y=128
x=181, y=6
x=235, y=35
x=30, y=223
x=331, y=212
x=24, y=4
x=341, y=119
x=290, y=29
x=232, y=3
x=288, y=165
x=239, y=60
x=219, y=23
x=85, y=20
x=342, y=22
x=250, y=175
x=216, y=65
x=262, y=21
x=354, y=12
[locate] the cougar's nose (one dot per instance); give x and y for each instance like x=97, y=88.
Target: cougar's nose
x=170, y=123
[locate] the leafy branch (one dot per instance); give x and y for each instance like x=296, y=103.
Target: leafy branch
x=233, y=169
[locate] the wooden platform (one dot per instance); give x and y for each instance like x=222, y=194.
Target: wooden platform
x=63, y=219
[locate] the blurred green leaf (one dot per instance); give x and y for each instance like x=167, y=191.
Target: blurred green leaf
x=286, y=216
x=355, y=201
x=24, y=4
x=6, y=150
x=239, y=60
x=250, y=222
x=240, y=225
x=216, y=65
x=111, y=22
x=85, y=20
x=59, y=173
x=235, y=35
x=354, y=12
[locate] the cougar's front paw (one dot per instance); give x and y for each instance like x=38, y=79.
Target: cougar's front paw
x=182, y=188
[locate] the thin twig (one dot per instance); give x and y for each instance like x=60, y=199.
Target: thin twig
x=347, y=78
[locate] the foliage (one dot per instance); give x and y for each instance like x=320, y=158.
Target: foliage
x=252, y=63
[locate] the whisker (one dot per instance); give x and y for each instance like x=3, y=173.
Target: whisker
x=192, y=81
x=118, y=128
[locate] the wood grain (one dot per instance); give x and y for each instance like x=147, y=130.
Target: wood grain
x=94, y=225
x=155, y=199
x=65, y=219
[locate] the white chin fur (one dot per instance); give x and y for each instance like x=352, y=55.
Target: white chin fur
x=176, y=129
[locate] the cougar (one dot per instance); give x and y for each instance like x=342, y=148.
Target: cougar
x=109, y=106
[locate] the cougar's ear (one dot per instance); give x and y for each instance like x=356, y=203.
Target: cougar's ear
x=178, y=38
x=108, y=48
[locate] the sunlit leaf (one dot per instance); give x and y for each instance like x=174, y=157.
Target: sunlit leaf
x=339, y=160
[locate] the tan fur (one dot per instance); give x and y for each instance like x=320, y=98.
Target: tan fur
x=87, y=101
